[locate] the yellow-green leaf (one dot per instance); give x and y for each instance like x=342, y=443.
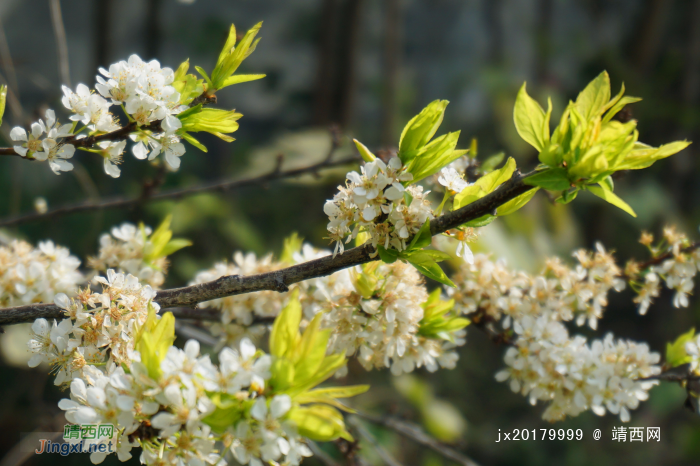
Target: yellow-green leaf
x=592, y=100
x=612, y=198
x=3, y=99
x=319, y=422
x=485, y=185
x=516, y=203
x=285, y=331
x=365, y=153
x=420, y=129
x=552, y=179
x=530, y=119
x=676, y=354
x=643, y=156
x=311, y=350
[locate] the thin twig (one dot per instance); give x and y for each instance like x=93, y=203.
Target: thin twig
x=280, y=280
x=191, y=332
x=415, y=433
x=321, y=455
x=59, y=31
x=365, y=434
x=121, y=202
x=662, y=257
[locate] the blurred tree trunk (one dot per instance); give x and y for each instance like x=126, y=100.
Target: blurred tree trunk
x=153, y=28
x=323, y=94
x=543, y=36
x=392, y=51
x=493, y=23
x=691, y=80
x=649, y=37
x=103, y=21
x=348, y=64
x=336, y=78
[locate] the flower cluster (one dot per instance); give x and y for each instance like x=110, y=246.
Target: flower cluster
x=124, y=249
x=166, y=414
x=578, y=293
x=99, y=328
x=35, y=274
x=115, y=352
x=145, y=92
x=546, y=364
x=677, y=271
x=374, y=313
x=377, y=202
x=47, y=141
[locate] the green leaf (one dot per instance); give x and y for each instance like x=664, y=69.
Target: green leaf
x=175, y=245
x=311, y=350
x=292, y=244
x=282, y=375
x=228, y=45
x=365, y=153
x=190, y=111
x=423, y=238
x=421, y=129
x=608, y=183
x=437, y=256
x=492, y=162
x=340, y=392
x=516, y=203
x=204, y=74
x=189, y=138
x=231, y=57
x=610, y=197
x=626, y=100
x=241, y=78
x=388, y=256
x=3, y=100
x=485, y=185
x=434, y=156
x=319, y=422
x=592, y=100
x=180, y=73
x=643, y=156
x=328, y=367
x=229, y=410
x=552, y=179
x=284, y=336
x=426, y=265
x=676, y=354
x=567, y=196
x=530, y=120
x=212, y=120
x=480, y=222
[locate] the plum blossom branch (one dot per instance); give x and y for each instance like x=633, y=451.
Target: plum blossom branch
x=416, y=434
x=89, y=142
x=280, y=280
x=121, y=202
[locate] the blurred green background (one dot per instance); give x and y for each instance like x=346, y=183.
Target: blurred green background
x=368, y=66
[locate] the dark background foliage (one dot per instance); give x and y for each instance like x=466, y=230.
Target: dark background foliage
x=367, y=66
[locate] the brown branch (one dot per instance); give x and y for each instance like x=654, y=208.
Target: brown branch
x=280, y=280
x=660, y=258
x=415, y=433
x=90, y=141
x=122, y=202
